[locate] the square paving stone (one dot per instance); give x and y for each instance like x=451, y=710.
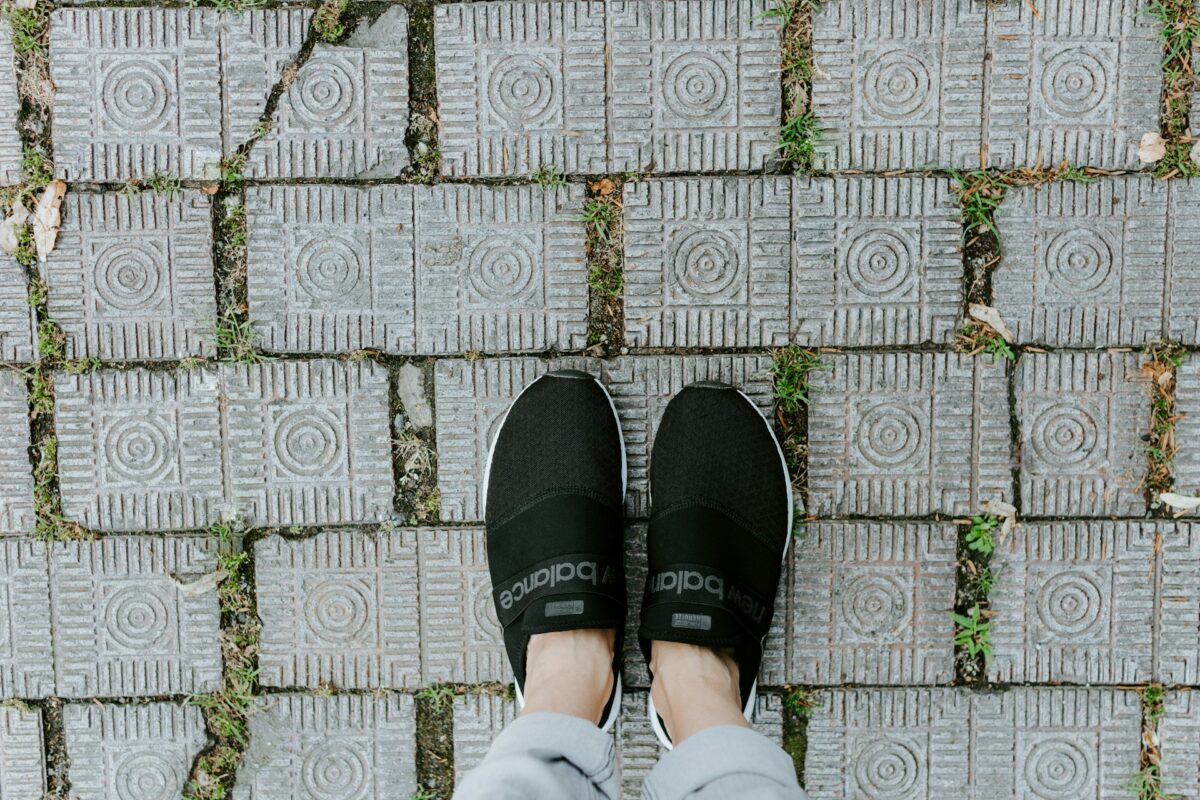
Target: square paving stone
x=1179, y=734
x=132, y=276
x=478, y=719
x=123, y=624
x=1083, y=419
x=1068, y=82
x=773, y=669
x=22, y=758
x=500, y=269
x=1178, y=604
x=16, y=476
x=26, y=649
x=1074, y=743
x=345, y=113
x=876, y=261
x=898, y=85
x=868, y=743
x=870, y=603
x=694, y=85
x=139, y=450
x=1083, y=263
x=308, y=443
x=1074, y=602
x=707, y=262
x=521, y=87
x=138, y=91
x=461, y=638
x=17, y=322
x=132, y=751
x=1183, y=248
x=1187, y=426
x=304, y=747
x=257, y=45
x=1045, y=743
x=339, y=609
x=330, y=268
x=471, y=399
x=907, y=434
x=10, y=108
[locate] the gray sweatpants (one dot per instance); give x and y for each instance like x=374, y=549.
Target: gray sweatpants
x=546, y=756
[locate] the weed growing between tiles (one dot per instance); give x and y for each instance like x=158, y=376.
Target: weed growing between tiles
x=225, y=711
x=800, y=130
x=1179, y=32
x=798, y=704
x=414, y=462
x=435, y=742
x=1146, y=783
x=605, y=235
x=971, y=616
x=422, y=138
x=790, y=369
x=1165, y=358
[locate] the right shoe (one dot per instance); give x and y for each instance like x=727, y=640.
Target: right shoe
x=553, y=506
x=720, y=526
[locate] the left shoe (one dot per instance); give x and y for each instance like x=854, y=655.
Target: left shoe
x=719, y=529
x=554, y=505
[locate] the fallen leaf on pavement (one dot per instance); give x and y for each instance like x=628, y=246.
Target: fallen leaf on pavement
x=1152, y=148
x=8, y=228
x=990, y=316
x=604, y=187
x=207, y=583
x=46, y=218
x=1180, y=502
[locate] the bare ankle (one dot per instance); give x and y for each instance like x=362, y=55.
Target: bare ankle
x=694, y=688
x=570, y=672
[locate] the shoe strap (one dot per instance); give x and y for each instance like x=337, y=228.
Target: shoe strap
x=553, y=589
x=692, y=591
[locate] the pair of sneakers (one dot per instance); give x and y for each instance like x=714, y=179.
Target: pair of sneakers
x=720, y=524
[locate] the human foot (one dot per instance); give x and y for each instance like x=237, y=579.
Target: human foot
x=555, y=492
x=721, y=522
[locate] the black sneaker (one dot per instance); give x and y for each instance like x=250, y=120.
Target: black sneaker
x=555, y=493
x=719, y=529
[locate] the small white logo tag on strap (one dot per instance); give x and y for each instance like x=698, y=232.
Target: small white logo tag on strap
x=695, y=622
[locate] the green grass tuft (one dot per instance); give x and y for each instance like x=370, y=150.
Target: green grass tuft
x=327, y=21
x=790, y=367
x=798, y=139
x=973, y=633
x=440, y=696
x=980, y=536
x=237, y=340
x=549, y=178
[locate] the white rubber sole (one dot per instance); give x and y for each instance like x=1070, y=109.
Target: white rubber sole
x=615, y=706
x=655, y=721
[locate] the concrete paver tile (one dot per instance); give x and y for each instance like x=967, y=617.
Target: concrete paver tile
x=897, y=84
x=876, y=261
x=1083, y=263
x=1073, y=603
x=521, y=87
x=870, y=603
x=131, y=751
x=132, y=276
x=1071, y=84
x=345, y=113
x=16, y=479
x=707, y=262
x=907, y=434
x=339, y=609
x=345, y=746
x=22, y=755
x=26, y=648
x=694, y=85
x=124, y=626
x=1083, y=419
